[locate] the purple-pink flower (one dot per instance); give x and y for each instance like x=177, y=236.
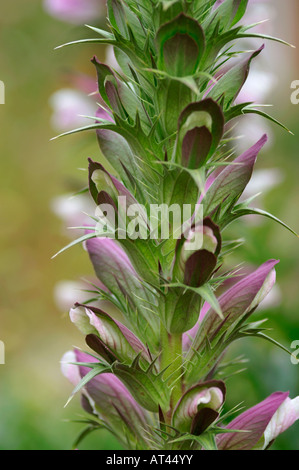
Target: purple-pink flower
x=242, y=297
x=76, y=11
x=69, y=108
x=105, y=396
x=261, y=424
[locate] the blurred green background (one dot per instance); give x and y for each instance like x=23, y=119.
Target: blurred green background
x=33, y=171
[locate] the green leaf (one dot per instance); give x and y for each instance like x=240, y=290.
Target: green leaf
x=266, y=116
x=229, y=86
x=179, y=189
x=188, y=81
x=176, y=303
x=84, y=433
x=254, y=211
x=206, y=440
x=76, y=242
x=118, y=153
x=116, y=15
x=87, y=41
x=148, y=389
x=181, y=310
x=264, y=36
x=173, y=96
x=101, y=32
x=144, y=258
x=229, y=13
x=259, y=334
x=136, y=26
x=236, y=111
x=95, y=370
x=209, y=296
x=102, y=125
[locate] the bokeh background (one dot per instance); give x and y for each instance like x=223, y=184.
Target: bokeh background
x=35, y=176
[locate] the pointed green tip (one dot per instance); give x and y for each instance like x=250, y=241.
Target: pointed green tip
x=58, y=253
x=220, y=314
x=294, y=358
x=68, y=401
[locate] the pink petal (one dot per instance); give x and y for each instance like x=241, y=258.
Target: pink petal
x=255, y=420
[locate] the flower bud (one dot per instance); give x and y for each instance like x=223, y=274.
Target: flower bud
x=196, y=255
x=113, y=334
x=198, y=407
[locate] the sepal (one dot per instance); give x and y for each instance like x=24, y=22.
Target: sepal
x=180, y=45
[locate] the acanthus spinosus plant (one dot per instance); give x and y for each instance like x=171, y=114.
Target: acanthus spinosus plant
x=153, y=375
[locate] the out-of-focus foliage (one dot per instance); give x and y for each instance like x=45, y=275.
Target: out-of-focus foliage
x=34, y=171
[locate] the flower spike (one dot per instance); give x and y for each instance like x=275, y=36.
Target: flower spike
x=171, y=303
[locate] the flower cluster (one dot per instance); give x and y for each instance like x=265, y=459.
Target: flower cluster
x=151, y=376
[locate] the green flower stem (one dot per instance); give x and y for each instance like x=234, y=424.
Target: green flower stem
x=165, y=350
x=176, y=367
x=171, y=358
